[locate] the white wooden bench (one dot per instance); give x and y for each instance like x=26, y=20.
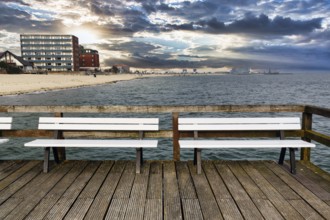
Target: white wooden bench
x=96, y=124
x=242, y=124
x=5, y=124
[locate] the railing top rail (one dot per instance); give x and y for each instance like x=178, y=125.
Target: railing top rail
x=151, y=108
x=317, y=110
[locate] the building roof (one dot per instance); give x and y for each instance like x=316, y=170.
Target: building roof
x=20, y=59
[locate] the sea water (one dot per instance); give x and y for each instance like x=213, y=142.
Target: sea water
x=305, y=89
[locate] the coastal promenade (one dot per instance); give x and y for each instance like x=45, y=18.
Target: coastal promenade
x=163, y=190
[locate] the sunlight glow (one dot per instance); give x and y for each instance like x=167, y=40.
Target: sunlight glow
x=86, y=36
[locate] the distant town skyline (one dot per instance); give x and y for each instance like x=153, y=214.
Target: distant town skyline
x=289, y=36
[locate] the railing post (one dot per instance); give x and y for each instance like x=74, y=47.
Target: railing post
x=60, y=151
x=307, y=121
x=176, y=135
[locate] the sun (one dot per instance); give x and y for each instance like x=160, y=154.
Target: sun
x=86, y=36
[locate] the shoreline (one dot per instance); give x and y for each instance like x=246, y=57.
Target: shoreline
x=19, y=84
x=31, y=83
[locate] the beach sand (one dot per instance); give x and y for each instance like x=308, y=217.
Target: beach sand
x=28, y=83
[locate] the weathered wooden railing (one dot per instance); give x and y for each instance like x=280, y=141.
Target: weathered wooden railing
x=306, y=133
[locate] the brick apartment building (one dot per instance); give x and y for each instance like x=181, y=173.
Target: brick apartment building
x=89, y=58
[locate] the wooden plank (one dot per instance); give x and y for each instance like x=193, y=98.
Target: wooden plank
x=137, y=200
x=19, y=183
x=267, y=209
x=321, y=207
x=8, y=206
x=243, y=201
x=86, y=197
x=225, y=202
x=63, y=205
x=5, y=164
x=35, y=195
x=153, y=209
x=313, y=186
x=117, y=209
x=286, y=210
x=205, y=195
x=307, y=121
x=250, y=187
x=99, y=207
x=155, y=185
x=72, y=170
x=135, y=208
x=152, y=109
x=276, y=182
x=318, y=137
x=186, y=186
x=125, y=184
x=7, y=170
x=318, y=110
x=172, y=204
x=17, y=174
x=315, y=169
x=304, y=209
x=191, y=209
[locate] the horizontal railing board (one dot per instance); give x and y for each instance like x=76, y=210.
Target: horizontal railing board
x=152, y=109
x=147, y=134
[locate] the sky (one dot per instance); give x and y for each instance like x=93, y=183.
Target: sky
x=209, y=35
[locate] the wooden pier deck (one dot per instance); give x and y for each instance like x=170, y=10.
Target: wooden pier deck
x=164, y=190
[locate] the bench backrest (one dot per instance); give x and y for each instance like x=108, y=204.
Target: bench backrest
x=99, y=124
x=239, y=124
x=5, y=123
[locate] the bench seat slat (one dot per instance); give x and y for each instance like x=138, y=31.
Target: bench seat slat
x=99, y=127
x=3, y=141
x=77, y=120
x=5, y=123
x=237, y=127
x=6, y=120
x=5, y=126
x=256, y=120
x=244, y=144
x=91, y=143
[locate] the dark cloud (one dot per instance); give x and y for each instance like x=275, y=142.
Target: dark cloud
x=15, y=20
x=21, y=2
x=251, y=24
x=133, y=47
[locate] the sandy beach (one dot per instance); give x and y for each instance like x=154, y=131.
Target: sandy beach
x=26, y=83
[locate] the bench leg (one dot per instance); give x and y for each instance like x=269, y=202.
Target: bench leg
x=46, y=159
x=55, y=153
x=195, y=156
x=292, y=160
x=199, y=160
x=282, y=155
x=138, y=159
